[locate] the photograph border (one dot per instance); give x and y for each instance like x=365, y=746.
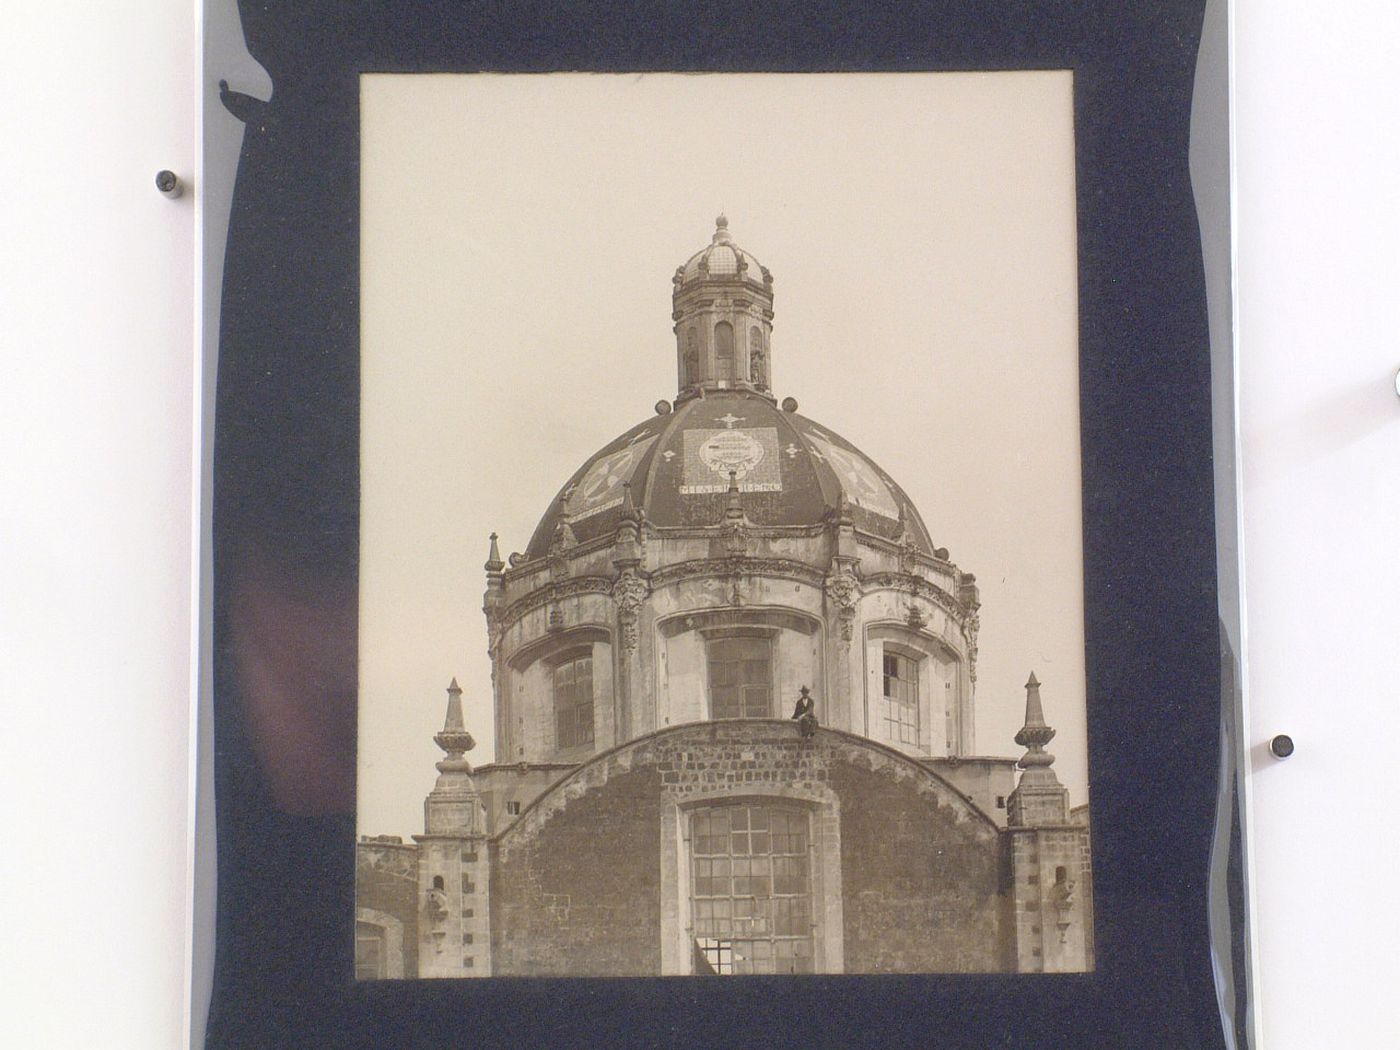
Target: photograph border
x=285, y=514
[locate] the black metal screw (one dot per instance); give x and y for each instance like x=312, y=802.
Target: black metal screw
x=1281, y=746
x=168, y=183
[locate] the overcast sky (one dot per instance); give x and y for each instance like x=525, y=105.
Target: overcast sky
x=518, y=239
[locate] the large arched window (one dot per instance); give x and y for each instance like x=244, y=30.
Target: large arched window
x=556, y=708
x=573, y=700
x=724, y=350
x=751, y=888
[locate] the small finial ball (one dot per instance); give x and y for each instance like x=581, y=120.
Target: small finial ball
x=663, y=407
x=789, y=404
x=721, y=222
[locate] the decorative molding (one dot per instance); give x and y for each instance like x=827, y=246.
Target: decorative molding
x=435, y=916
x=554, y=591
x=919, y=588
x=719, y=620
x=629, y=592
x=970, y=627
x=706, y=568
x=843, y=591
x=494, y=630
x=736, y=540
x=909, y=550
x=549, y=646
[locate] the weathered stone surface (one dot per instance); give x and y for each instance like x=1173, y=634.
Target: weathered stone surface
x=578, y=886
x=921, y=878
x=386, y=883
x=574, y=890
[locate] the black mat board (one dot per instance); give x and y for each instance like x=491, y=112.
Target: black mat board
x=286, y=499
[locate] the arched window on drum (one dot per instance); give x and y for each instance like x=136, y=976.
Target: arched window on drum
x=724, y=351
x=573, y=699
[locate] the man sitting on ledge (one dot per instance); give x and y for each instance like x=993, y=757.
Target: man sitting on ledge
x=804, y=714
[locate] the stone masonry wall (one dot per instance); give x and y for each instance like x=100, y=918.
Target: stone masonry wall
x=587, y=883
x=574, y=890
x=921, y=877
x=386, y=880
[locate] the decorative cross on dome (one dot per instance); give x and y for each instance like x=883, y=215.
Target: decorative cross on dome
x=791, y=450
x=729, y=419
x=668, y=455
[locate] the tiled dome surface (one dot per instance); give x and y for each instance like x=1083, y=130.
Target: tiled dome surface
x=789, y=470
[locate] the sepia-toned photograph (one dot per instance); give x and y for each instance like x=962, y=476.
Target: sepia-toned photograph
x=721, y=604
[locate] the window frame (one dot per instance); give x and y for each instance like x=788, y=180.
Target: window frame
x=824, y=844
x=714, y=637
x=726, y=364
x=896, y=727
x=939, y=662
x=556, y=662
x=722, y=952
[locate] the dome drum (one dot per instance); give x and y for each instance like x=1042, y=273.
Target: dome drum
x=689, y=603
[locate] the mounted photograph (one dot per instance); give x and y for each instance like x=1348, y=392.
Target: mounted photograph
x=721, y=590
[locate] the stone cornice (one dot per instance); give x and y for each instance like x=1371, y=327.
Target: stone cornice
x=892, y=548
x=555, y=590
x=920, y=588
x=705, y=568
x=659, y=533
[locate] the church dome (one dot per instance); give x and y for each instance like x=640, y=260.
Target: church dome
x=714, y=559
x=721, y=258
x=675, y=469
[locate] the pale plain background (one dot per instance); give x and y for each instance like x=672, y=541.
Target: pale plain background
x=96, y=341
x=97, y=394
x=518, y=238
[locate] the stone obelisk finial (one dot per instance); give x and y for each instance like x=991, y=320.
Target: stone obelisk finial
x=1035, y=734
x=453, y=807
x=454, y=738
x=1039, y=798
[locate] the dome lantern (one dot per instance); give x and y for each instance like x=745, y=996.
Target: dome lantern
x=722, y=303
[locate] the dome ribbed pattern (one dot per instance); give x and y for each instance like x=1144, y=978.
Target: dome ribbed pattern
x=722, y=258
x=790, y=472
